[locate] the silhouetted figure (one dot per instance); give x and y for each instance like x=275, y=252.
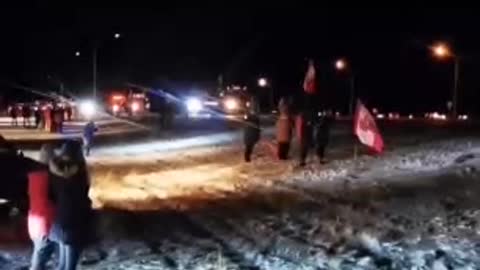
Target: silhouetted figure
x=304, y=134
x=87, y=136
x=26, y=114
x=13, y=112
x=251, y=130
x=322, y=135
x=38, y=117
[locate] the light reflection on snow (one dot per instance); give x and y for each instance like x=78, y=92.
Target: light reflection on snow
x=151, y=191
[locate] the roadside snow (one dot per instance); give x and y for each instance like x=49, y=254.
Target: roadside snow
x=416, y=207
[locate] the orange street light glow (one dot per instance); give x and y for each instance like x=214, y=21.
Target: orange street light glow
x=340, y=64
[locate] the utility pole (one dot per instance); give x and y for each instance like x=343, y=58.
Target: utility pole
x=352, y=94
x=94, y=60
x=62, y=89
x=455, y=88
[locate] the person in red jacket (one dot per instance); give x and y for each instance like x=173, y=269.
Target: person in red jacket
x=41, y=211
x=284, y=130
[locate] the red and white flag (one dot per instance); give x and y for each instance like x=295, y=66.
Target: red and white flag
x=365, y=128
x=309, y=84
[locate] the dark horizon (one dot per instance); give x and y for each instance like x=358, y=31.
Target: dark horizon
x=388, y=50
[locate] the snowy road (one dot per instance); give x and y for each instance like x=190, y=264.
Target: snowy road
x=414, y=208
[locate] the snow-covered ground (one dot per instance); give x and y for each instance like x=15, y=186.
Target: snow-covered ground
x=416, y=207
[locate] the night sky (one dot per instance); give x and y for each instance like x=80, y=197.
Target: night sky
x=388, y=50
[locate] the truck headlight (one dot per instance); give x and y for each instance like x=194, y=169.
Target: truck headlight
x=231, y=104
x=88, y=108
x=135, y=106
x=194, y=105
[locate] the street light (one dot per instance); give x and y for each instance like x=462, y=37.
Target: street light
x=442, y=51
x=342, y=65
x=262, y=82
x=94, y=63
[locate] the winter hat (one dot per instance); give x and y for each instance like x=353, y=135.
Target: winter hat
x=283, y=105
x=70, y=150
x=46, y=153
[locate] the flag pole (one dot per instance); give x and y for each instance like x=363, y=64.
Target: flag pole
x=355, y=143
x=355, y=151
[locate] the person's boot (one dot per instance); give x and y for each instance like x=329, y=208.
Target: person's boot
x=247, y=157
x=302, y=163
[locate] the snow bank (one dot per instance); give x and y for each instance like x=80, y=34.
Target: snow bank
x=416, y=207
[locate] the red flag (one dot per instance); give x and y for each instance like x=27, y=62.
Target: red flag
x=309, y=81
x=365, y=128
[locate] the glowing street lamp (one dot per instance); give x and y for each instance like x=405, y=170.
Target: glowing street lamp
x=340, y=64
x=262, y=82
x=442, y=50
x=94, y=62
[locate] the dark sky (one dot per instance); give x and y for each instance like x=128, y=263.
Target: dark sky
x=164, y=47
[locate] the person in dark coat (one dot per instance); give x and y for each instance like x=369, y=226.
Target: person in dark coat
x=71, y=228
x=38, y=117
x=251, y=130
x=61, y=119
x=13, y=114
x=304, y=134
x=87, y=136
x=322, y=135
x=69, y=112
x=53, y=123
x=41, y=211
x=26, y=113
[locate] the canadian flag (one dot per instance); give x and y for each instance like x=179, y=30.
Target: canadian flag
x=365, y=128
x=309, y=82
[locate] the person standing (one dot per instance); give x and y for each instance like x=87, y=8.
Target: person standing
x=72, y=226
x=322, y=135
x=61, y=118
x=38, y=117
x=41, y=211
x=251, y=130
x=57, y=119
x=47, y=118
x=69, y=112
x=26, y=115
x=304, y=135
x=284, y=130
x=87, y=136
x=13, y=114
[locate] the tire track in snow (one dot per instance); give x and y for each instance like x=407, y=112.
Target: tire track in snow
x=234, y=255
x=261, y=254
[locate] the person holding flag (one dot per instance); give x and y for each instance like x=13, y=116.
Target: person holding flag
x=365, y=128
x=304, y=120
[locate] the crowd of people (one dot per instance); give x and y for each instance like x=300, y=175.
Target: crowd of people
x=49, y=117
x=311, y=130
x=60, y=213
